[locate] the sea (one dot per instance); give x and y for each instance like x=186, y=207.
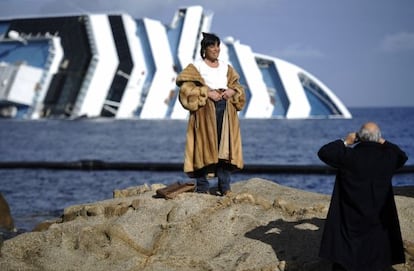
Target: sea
x=38, y=194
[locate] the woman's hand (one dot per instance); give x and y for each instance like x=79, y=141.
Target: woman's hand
x=215, y=95
x=228, y=93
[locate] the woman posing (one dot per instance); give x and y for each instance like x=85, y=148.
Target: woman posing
x=210, y=90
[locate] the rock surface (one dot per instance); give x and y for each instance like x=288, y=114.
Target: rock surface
x=6, y=220
x=261, y=226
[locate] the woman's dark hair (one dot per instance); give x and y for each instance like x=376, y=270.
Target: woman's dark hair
x=208, y=39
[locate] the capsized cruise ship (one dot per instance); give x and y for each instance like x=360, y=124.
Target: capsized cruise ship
x=116, y=66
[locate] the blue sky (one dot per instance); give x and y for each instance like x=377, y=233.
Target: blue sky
x=361, y=49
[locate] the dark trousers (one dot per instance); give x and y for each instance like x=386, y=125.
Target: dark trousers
x=337, y=267
x=223, y=175
x=220, y=107
x=222, y=171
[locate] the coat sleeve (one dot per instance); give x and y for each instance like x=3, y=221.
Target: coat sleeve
x=238, y=99
x=193, y=91
x=401, y=156
x=333, y=153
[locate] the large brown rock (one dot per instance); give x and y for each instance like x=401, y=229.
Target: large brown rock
x=6, y=219
x=261, y=226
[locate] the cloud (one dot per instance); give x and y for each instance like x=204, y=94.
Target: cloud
x=299, y=51
x=402, y=41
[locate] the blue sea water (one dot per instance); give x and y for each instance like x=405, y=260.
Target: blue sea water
x=35, y=195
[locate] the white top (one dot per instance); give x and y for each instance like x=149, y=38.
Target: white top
x=216, y=77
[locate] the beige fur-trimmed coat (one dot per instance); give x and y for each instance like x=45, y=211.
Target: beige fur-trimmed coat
x=202, y=148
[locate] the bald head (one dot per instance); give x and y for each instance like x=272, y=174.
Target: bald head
x=369, y=132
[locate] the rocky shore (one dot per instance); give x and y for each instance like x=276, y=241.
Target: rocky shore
x=261, y=226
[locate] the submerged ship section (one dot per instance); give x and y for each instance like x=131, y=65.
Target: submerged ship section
x=116, y=66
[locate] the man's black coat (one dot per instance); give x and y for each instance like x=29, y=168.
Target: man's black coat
x=362, y=230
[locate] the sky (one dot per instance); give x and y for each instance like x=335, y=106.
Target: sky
x=363, y=50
